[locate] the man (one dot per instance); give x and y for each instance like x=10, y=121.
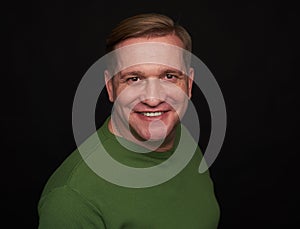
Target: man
x=149, y=101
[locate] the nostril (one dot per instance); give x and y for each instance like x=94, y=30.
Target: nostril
x=152, y=102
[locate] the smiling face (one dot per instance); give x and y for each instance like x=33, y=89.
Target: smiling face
x=149, y=98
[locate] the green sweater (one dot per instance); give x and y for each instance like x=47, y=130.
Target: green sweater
x=76, y=197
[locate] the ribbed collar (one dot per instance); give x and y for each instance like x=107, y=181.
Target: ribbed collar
x=135, y=147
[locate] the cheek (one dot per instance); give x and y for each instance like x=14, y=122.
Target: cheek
x=177, y=93
x=185, y=86
x=178, y=99
x=126, y=97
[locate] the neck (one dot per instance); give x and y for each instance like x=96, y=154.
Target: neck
x=156, y=146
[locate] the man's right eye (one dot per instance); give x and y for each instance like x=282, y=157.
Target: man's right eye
x=133, y=79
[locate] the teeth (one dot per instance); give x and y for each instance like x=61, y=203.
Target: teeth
x=152, y=114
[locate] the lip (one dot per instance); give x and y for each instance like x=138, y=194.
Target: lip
x=151, y=118
x=150, y=111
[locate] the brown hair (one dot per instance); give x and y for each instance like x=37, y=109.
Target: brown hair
x=147, y=25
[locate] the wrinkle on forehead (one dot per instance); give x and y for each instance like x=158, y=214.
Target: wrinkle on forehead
x=149, y=53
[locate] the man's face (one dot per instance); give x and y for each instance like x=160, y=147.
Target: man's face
x=151, y=98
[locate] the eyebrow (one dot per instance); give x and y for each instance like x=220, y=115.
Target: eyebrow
x=132, y=73
x=140, y=73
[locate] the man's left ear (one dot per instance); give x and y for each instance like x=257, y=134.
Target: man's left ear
x=190, y=82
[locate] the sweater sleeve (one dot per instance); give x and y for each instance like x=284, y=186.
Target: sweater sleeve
x=65, y=208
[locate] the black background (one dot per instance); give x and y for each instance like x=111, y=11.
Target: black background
x=249, y=46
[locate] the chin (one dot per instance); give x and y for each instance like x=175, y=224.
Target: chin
x=154, y=134
x=158, y=133
x=156, y=138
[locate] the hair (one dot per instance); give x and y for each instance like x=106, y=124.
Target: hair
x=147, y=25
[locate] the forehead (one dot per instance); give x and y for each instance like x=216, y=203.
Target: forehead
x=168, y=39
x=153, y=51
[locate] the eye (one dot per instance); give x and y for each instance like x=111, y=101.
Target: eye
x=133, y=79
x=170, y=76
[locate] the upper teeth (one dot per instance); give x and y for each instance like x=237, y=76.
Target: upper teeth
x=152, y=113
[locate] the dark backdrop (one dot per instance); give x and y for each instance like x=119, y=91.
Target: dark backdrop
x=249, y=46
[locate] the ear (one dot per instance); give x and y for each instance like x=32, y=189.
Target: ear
x=109, y=85
x=190, y=82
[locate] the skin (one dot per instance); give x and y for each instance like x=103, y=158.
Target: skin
x=149, y=88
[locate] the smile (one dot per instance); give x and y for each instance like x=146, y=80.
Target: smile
x=152, y=114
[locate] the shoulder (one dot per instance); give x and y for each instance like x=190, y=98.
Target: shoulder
x=64, y=207
x=74, y=171
x=66, y=199
x=64, y=173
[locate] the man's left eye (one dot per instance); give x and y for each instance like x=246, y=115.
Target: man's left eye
x=170, y=76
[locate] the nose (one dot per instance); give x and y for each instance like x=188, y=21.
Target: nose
x=154, y=93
